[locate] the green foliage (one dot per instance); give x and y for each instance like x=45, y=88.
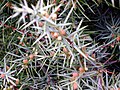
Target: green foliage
x=59, y=44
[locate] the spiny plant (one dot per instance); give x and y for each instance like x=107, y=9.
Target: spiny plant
x=105, y=24
x=50, y=48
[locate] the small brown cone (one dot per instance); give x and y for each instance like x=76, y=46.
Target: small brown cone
x=17, y=81
x=62, y=32
x=25, y=61
x=75, y=86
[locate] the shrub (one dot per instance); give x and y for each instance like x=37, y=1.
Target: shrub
x=59, y=44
